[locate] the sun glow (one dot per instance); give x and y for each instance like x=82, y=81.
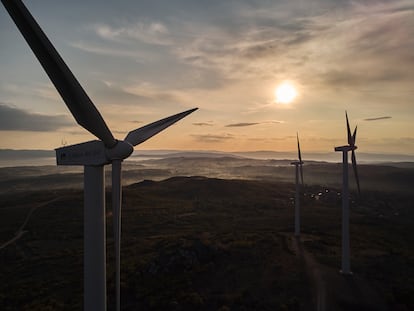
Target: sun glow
x=285, y=93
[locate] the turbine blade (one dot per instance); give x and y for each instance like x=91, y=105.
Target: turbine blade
x=72, y=93
x=348, y=130
x=300, y=159
x=116, y=211
x=301, y=174
x=354, y=165
x=140, y=135
x=299, y=154
x=354, y=135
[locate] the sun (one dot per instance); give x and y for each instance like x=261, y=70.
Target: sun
x=285, y=93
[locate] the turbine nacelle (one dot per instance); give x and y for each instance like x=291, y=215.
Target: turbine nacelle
x=346, y=148
x=87, y=153
x=92, y=153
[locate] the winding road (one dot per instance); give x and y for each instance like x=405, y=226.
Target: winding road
x=20, y=232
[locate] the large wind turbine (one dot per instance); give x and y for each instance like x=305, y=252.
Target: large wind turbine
x=93, y=155
x=346, y=266
x=298, y=167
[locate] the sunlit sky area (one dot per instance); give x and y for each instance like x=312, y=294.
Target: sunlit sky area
x=140, y=61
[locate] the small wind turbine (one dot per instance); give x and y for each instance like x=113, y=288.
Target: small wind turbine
x=298, y=167
x=346, y=266
x=93, y=155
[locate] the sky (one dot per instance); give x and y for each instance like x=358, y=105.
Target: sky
x=140, y=61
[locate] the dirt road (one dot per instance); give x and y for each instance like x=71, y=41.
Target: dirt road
x=334, y=291
x=20, y=232
x=314, y=274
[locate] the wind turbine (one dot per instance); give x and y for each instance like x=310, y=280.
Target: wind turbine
x=298, y=167
x=93, y=155
x=346, y=266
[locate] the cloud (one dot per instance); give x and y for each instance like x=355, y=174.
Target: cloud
x=263, y=45
x=155, y=33
x=271, y=139
x=242, y=124
x=308, y=41
x=153, y=93
x=144, y=95
x=94, y=48
x=16, y=119
x=384, y=36
x=329, y=43
x=378, y=118
x=203, y=124
x=361, y=79
x=209, y=138
x=273, y=122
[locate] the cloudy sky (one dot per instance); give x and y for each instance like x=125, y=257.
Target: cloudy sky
x=140, y=61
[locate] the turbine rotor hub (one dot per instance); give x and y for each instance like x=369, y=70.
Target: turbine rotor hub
x=120, y=151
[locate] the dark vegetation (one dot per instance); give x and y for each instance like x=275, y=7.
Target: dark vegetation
x=197, y=243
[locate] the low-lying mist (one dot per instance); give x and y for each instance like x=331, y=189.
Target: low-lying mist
x=379, y=177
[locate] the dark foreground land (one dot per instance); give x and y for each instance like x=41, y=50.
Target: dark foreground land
x=197, y=243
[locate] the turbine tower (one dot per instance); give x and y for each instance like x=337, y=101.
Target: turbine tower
x=298, y=167
x=93, y=155
x=346, y=266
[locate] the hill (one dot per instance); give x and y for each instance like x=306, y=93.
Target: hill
x=197, y=243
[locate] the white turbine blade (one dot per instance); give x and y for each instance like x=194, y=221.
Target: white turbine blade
x=354, y=136
x=74, y=96
x=348, y=130
x=354, y=165
x=116, y=211
x=299, y=154
x=140, y=135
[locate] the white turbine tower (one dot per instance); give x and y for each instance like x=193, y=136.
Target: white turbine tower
x=298, y=167
x=346, y=266
x=93, y=155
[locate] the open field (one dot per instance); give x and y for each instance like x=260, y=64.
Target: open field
x=197, y=243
